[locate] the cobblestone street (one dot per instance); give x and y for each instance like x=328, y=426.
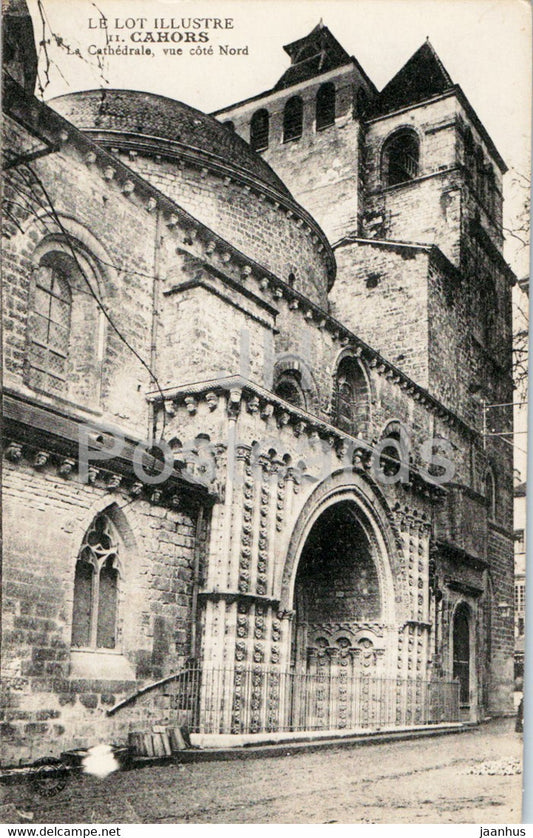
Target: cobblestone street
x=467, y=778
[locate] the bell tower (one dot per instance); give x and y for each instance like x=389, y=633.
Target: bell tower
x=308, y=127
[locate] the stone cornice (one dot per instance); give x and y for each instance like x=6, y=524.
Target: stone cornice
x=460, y=556
x=245, y=395
x=46, y=440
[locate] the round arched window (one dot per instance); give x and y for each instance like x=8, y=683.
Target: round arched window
x=401, y=155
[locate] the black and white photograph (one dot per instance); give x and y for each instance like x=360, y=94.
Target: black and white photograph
x=265, y=380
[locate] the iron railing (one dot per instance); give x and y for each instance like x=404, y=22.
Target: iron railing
x=258, y=699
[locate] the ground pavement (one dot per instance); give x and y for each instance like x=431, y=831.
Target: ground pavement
x=472, y=777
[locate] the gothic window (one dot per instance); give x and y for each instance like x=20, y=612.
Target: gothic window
x=293, y=119
x=96, y=583
x=259, y=130
x=325, y=106
x=289, y=388
x=50, y=327
x=351, y=397
x=400, y=161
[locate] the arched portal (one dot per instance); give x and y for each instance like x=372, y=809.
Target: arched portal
x=462, y=663
x=337, y=599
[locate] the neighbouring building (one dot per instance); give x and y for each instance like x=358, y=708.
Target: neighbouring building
x=519, y=577
x=304, y=297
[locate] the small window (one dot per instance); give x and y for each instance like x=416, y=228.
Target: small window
x=289, y=388
x=401, y=158
x=96, y=582
x=293, y=119
x=351, y=397
x=50, y=328
x=325, y=106
x=520, y=596
x=391, y=460
x=229, y=125
x=259, y=126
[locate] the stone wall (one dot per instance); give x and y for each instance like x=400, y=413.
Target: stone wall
x=321, y=168
x=56, y=696
x=269, y=233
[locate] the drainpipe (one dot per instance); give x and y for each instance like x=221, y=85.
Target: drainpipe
x=196, y=584
x=155, y=315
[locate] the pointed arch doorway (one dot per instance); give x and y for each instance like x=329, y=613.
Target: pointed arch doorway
x=341, y=606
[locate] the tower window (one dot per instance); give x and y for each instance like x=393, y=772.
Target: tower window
x=293, y=119
x=259, y=130
x=325, y=106
x=50, y=328
x=401, y=158
x=94, y=615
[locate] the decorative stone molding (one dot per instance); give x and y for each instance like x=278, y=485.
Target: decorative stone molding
x=13, y=452
x=252, y=405
x=113, y=482
x=234, y=402
x=41, y=458
x=191, y=405
x=156, y=496
x=66, y=467
x=212, y=401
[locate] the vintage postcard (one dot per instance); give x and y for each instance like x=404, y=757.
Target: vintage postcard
x=265, y=316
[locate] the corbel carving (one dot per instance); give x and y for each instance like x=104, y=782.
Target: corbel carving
x=14, y=452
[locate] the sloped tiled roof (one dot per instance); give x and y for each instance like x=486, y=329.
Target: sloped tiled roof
x=422, y=77
x=311, y=56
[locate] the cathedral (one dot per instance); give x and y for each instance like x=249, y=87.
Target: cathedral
x=248, y=480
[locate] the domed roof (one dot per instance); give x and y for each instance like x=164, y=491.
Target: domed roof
x=150, y=115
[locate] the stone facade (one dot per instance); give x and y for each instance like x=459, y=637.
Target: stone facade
x=286, y=337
